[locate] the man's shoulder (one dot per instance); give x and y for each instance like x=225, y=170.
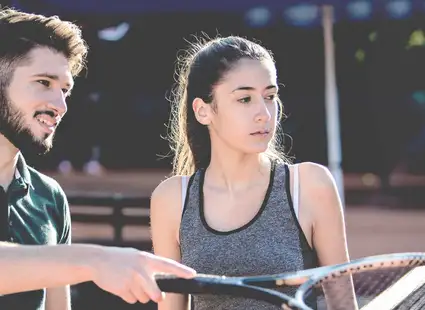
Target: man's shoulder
x=48, y=192
x=41, y=180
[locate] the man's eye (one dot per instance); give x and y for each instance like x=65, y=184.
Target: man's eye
x=44, y=83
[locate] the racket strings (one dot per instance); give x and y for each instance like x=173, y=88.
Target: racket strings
x=371, y=290
x=374, y=282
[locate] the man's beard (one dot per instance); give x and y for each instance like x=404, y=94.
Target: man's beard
x=12, y=126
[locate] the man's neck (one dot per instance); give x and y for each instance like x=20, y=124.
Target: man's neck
x=8, y=161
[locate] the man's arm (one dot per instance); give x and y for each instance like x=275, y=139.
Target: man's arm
x=31, y=267
x=125, y=272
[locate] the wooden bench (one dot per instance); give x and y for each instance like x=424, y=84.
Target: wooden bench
x=116, y=210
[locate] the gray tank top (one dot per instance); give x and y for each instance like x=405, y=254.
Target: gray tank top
x=272, y=242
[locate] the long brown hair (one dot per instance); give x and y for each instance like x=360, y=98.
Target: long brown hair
x=200, y=68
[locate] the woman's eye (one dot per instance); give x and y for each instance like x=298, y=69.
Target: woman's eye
x=245, y=100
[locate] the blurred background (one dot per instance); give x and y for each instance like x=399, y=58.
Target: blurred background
x=366, y=112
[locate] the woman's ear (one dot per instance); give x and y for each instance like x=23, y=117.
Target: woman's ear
x=202, y=111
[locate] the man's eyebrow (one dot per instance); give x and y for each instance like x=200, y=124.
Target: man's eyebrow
x=51, y=76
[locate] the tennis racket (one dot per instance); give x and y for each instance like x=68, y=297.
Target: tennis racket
x=382, y=282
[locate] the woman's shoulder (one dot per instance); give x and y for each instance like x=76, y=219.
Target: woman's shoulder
x=169, y=188
x=315, y=172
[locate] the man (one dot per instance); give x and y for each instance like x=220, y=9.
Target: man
x=39, y=57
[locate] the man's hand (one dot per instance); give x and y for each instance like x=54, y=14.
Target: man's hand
x=129, y=273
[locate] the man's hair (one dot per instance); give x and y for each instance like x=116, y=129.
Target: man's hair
x=21, y=32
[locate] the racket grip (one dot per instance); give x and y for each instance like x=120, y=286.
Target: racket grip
x=173, y=285
x=217, y=286
x=197, y=285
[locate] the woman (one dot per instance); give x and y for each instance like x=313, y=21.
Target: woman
x=234, y=205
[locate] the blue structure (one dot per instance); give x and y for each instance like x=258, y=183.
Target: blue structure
x=305, y=13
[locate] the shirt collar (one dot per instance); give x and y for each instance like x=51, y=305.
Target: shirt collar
x=22, y=174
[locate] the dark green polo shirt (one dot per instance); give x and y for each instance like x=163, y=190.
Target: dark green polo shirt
x=38, y=214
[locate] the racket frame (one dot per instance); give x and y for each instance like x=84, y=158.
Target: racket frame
x=306, y=279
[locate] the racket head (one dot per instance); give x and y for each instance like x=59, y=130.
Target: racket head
x=384, y=282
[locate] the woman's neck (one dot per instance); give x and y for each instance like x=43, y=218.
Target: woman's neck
x=236, y=171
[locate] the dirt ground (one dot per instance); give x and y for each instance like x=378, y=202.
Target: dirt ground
x=370, y=229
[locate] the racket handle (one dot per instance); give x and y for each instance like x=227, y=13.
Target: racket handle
x=214, y=286
x=190, y=286
x=173, y=285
